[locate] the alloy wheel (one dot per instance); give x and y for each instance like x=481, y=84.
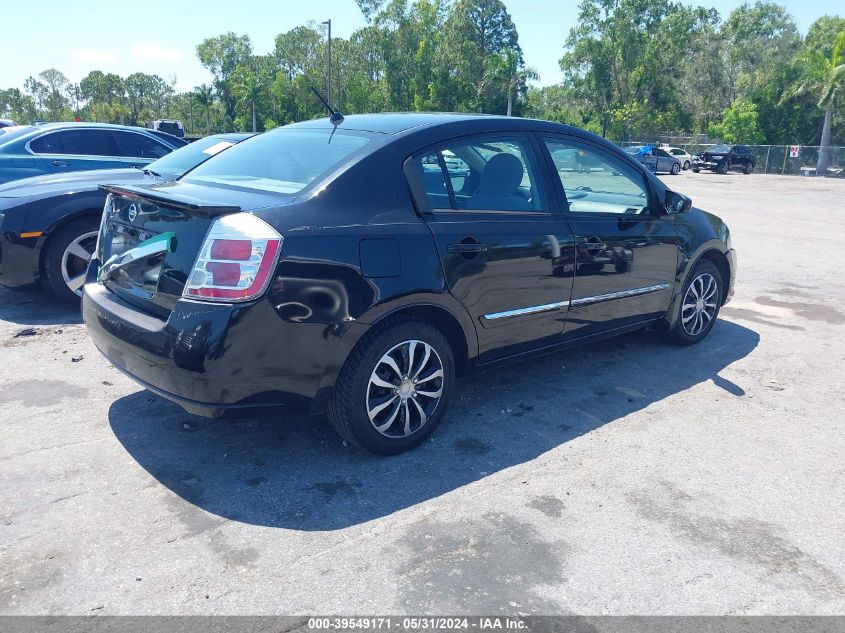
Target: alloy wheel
x=404, y=389
x=700, y=303
x=75, y=261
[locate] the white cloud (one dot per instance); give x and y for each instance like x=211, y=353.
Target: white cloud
x=94, y=55
x=151, y=51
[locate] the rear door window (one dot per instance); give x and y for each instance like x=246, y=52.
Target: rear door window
x=135, y=145
x=482, y=174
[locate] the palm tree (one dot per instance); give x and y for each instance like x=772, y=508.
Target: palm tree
x=824, y=78
x=205, y=97
x=514, y=75
x=246, y=89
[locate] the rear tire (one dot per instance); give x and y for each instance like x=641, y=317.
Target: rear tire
x=388, y=412
x=701, y=299
x=676, y=169
x=67, y=256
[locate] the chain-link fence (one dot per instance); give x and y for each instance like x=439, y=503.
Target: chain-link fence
x=793, y=160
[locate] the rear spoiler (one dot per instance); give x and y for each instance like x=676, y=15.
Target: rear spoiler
x=186, y=203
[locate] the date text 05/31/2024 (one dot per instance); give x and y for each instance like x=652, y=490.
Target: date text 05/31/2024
x=431, y=623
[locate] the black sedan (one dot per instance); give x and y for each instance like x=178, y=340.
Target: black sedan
x=347, y=268
x=48, y=224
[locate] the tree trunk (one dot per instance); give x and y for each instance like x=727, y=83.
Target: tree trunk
x=207, y=121
x=510, y=101
x=824, y=151
x=254, y=129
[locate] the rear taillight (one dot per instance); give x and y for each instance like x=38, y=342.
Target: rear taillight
x=236, y=260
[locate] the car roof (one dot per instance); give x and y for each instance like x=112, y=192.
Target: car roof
x=401, y=122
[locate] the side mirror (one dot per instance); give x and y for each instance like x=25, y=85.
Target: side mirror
x=677, y=202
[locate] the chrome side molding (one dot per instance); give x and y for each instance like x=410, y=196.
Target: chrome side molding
x=546, y=307
x=632, y=292
x=575, y=303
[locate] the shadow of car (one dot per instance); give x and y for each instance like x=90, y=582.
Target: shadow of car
x=265, y=472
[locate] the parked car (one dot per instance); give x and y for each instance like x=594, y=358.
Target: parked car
x=655, y=159
x=169, y=126
x=48, y=224
x=337, y=267
x=63, y=147
x=573, y=160
x=681, y=154
x=723, y=158
x=7, y=123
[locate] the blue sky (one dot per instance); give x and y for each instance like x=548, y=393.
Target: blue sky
x=160, y=36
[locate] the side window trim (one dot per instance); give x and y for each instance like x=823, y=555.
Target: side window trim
x=560, y=191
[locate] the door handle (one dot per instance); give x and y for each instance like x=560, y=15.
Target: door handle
x=467, y=247
x=61, y=163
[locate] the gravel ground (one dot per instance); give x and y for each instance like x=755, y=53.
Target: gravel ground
x=628, y=477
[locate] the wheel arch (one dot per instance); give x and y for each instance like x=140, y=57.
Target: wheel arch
x=458, y=331
x=443, y=320
x=712, y=251
x=721, y=262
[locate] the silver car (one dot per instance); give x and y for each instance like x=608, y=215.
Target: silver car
x=655, y=159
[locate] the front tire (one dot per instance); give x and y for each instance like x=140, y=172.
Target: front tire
x=701, y=300
x=67, y=256
x=394, y=388
x=696, y=170
x=686, y=165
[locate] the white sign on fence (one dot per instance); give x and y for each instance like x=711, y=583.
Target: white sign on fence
x=794, y=150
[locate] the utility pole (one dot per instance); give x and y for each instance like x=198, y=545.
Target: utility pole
x=329, y=80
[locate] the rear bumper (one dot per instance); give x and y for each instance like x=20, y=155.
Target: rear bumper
x=209, y=358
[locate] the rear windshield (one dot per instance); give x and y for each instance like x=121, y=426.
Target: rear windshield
x=283, y=161
x=181, y=160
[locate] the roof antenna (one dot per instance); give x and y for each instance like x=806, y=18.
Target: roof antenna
x=335, y=117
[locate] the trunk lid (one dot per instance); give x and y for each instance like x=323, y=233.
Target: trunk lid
x=150, y=237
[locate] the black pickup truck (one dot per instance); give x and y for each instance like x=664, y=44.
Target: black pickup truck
x=723, y=158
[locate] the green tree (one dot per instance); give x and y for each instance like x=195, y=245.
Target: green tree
x=627, y=59
x=221, y=55
x=756, y=39
x=477, y=33
x=16, y=105
x=204, y=96
x=740, y=123
x=55, y=99
x=824, y=77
